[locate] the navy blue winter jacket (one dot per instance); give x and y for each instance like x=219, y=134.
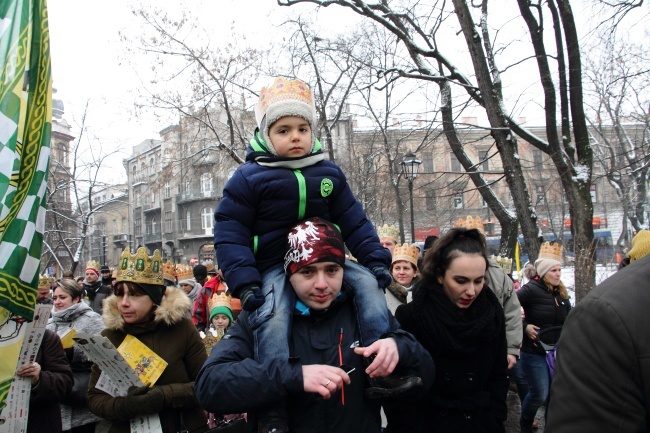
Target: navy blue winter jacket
x=232, y=381
x=262, y=203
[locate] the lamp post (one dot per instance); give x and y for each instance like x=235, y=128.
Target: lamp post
x=410, y=165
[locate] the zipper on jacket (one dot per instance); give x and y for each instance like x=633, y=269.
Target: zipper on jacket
x=302, y=194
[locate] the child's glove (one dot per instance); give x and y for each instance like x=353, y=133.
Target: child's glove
x=383, y=276
x=251, y=298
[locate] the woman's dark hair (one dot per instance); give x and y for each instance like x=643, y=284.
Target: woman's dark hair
x=455, y=242
x=71, y=288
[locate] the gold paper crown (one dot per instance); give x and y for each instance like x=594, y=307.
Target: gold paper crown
x=551, y=251
x=93, y=264
x=640, y=245
x=184, y=272
x=219, y=300
x=169, y=271
x=140, y=268
x=406, y=252
x=43, y=282
x=504, y=262
x=470, y=223
x=387, y=231
x=209, y=265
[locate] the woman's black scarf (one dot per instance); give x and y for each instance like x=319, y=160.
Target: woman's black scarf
x=446, y=327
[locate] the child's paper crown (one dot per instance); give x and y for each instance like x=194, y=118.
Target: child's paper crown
x=406, y=252
x=140, y=268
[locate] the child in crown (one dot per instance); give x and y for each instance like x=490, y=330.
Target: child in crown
x=286, y=179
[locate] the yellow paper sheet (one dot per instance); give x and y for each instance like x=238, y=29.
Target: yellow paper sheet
x=146, y=363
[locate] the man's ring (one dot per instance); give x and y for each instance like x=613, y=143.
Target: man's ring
x=328, y=382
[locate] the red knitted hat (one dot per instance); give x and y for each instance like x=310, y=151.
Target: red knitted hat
x=311, y=241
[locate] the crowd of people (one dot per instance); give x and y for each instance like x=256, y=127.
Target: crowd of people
x=315, y=320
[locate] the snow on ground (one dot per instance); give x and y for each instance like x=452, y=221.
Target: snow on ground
x=602, y=273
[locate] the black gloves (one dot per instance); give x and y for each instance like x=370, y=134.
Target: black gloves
x=142, y=400
x=383, y=276
x=251, y=298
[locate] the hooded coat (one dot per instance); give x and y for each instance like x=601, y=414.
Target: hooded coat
x=264, y=199
x=81, y=318
x=503, y=288
x=173, y=337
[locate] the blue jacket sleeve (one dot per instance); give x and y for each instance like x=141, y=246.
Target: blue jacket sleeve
x=231, y=381
x=358, y=232
x=234, y=219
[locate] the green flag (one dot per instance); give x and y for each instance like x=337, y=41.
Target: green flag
x=25, y=127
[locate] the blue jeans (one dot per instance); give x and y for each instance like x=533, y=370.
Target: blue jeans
x=271, y=323
x=519, y=376
x=539, y=384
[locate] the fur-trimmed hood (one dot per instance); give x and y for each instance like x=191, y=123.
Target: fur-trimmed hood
x=174, y=307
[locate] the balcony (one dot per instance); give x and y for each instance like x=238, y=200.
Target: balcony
x=153, y=238
x=147, y=207
x=193, y=196
x=139, y=179
x=121, y=239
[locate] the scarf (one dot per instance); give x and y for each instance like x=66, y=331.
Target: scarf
x=445, y=327
x=71, y=313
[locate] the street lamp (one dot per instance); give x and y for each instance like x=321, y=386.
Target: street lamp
x=410, y=165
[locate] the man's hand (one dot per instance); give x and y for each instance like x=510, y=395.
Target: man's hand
x=386, y=357
x=323, y=379
x=512, y=360
x=31, y=370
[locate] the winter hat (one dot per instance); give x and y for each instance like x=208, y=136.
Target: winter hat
x=311, y=241
x=105, y=268
x=189, y=282
x=550, y=255
x=640, y=245
x=284, y=98
x=220, y=304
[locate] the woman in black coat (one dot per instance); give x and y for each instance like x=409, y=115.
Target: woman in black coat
x=51, y=378
x=462, y=326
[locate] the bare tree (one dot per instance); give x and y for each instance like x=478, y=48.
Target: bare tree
x=419, y=28
x=70, y=206
x=617, y=80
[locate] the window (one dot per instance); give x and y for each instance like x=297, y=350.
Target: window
x=594, y=193
x=455, y=163
x=138, y=199
x=124, y=225
x=207, y=223
x=138, y=226
x=153, y=198
x=188, y=220
x=134, y=173
x=427, y=162
x=458, y=200
x=152, y=166
x=168, y=190
x=367, y=163
x=483, y=162
x=168, y=221
x=431, y=199
x=206, y=183
x=114, y=226
x=539, y=193
x=537, y=157
x=154, y=226
x=188, y=187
